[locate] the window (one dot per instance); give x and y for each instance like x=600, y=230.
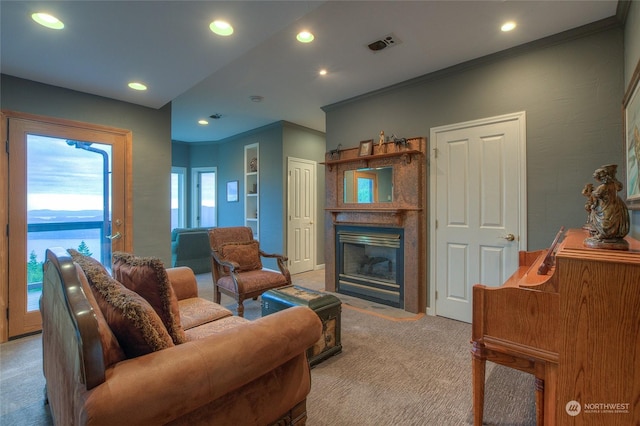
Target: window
x=178, y=197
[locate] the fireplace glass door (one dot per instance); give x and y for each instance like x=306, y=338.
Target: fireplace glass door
x=370, y=264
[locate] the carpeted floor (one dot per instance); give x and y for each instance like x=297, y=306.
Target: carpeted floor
x=395, y=369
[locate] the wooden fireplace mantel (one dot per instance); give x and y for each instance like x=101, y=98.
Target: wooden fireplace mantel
x=350, y=215
x=406, y=210
x=405, y=157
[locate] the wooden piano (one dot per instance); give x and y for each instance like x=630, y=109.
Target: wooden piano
x=574, y=325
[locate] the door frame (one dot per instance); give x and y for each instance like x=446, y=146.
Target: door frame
x=314, y=186
x=126, y=241
x=520, y=118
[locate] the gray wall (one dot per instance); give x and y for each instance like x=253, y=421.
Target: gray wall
x=151, y=149
x=631, y=60
x=571, y=91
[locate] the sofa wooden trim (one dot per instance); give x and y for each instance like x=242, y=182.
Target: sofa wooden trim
x=81, y=316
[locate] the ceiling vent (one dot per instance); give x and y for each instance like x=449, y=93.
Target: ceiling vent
x=216, y=116
x=386, y=41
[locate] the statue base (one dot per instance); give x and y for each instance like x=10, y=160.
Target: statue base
x=608, y=244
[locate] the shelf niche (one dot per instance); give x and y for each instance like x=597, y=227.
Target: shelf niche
x=252, y=188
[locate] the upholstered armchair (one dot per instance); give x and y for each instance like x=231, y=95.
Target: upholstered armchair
x=236, y=266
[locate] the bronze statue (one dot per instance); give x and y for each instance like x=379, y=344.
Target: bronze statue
x=608, y=216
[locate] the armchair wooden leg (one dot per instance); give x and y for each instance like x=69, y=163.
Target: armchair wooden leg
x=216, y=294
x=240, y=308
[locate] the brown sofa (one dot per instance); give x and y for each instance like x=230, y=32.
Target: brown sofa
x=110, y=356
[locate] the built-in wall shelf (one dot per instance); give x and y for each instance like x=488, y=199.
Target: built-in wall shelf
x=252, y=188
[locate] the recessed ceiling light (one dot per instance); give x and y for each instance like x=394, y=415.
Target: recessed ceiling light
x=222, y=28
x=305, y=37
x=203, y=122
x=135, y=85
x=48, y=21
x=256, y=98
x=322, y=72
x=508, y=26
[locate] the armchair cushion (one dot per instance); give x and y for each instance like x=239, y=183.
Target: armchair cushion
x=246, y=254
x=148, y=277
x=253, y=281
x=131, y=318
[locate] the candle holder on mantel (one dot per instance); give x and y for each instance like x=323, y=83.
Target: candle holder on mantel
x=608, y=216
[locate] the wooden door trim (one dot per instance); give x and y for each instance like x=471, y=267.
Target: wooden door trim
x=4, y=239
x=127, y=242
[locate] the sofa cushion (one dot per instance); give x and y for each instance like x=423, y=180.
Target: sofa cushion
x=130, y=317
x=245, y=254
x=206, y=330
x=196, y=311
x=148, y=277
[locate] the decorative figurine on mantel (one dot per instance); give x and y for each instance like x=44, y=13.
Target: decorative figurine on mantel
x=608, y=217
x=334, y=154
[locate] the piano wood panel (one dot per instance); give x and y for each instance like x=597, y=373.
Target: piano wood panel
x=600, y=347
x=576, y=328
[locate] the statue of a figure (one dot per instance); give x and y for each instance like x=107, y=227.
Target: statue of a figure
x=608, y=220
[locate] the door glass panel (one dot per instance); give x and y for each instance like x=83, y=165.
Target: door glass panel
x=207, y=199
x=68, y=203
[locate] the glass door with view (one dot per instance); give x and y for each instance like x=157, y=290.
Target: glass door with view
x=66, y=202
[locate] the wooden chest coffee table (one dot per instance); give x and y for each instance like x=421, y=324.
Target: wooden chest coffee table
x=328, y=308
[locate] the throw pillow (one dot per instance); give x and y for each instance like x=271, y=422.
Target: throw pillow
x=131, y=318
x=245, y=254
x=112, y=353
x=148, y=277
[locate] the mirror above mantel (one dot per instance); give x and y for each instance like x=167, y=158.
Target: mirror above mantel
x=368, y=185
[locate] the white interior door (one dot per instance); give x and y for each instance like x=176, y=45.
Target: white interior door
x=478, y=171
x=301, y=212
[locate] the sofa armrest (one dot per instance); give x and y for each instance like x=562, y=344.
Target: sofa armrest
x=182, y=378
x=183, y=281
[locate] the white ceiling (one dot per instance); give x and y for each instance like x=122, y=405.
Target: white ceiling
x=168, y=45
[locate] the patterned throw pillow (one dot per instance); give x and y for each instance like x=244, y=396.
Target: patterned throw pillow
x=148, y=277
x=112, y=352
x=246, y=254
x=131, y=318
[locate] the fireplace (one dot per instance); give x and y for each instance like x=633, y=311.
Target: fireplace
x=370, y=263
x=376, y=250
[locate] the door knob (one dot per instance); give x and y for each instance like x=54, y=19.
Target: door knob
x=115, y=237
x=509, y=237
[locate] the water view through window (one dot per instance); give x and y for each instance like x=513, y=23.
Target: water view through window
x=68, y=202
